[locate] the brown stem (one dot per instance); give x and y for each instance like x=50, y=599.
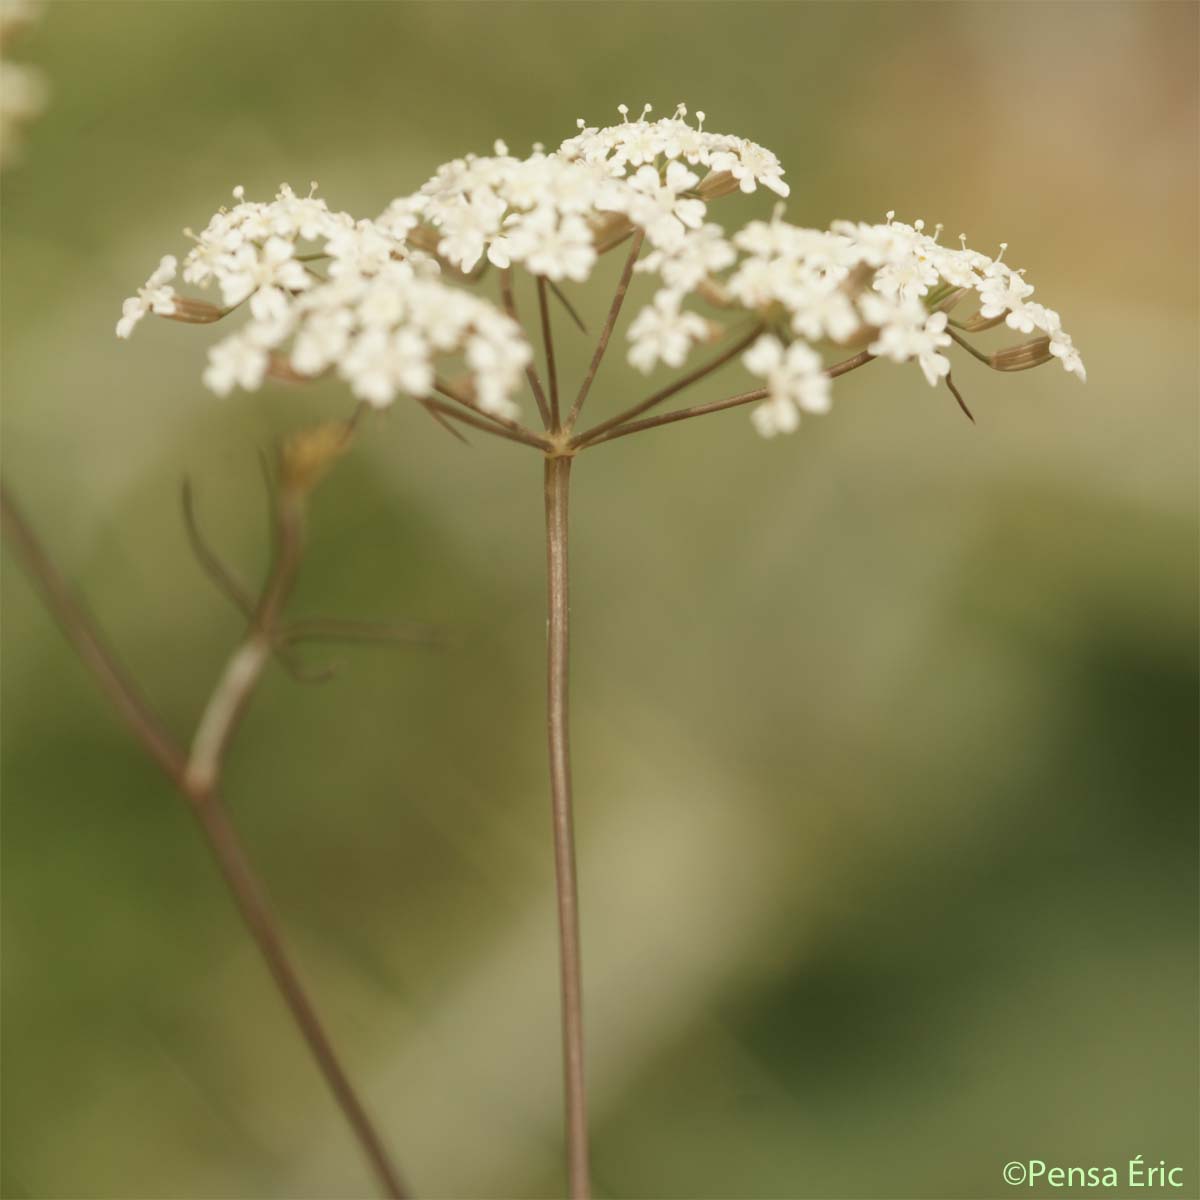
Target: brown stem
x=557, y=480
x=482, y=423
x=264, y=928
x=493, y=422
x=205, y=802
x=680, y=414
x=606, y=333
x=565, y=301
x=548, y=343
x=700, y=410
x=684, y=381
x=85, y=638
x=509, y=300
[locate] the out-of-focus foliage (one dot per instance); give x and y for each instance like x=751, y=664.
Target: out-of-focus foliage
x=885, y=733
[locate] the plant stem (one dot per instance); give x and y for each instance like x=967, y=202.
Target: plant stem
x=255, y=909
x=606, y=333
x=548, y=343
x=198, y=788
x=557, y=481
x=678, y=385
x=509, y=300
x=608, y=432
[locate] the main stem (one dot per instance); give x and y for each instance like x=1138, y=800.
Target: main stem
x=557, y=478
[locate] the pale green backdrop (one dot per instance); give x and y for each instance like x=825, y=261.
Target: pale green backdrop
x=885, y=732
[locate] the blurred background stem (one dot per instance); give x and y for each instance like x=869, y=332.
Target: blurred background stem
x=197, y=780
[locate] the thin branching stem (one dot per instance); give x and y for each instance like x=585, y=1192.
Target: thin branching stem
x=212, y=563
x=975, y=353
x=610, y=321
x=440, y=417
x=509, y=300
x=199, y=789
x=83, y=635
x=565, y=301
x=590, y=436
x=548, y=345
x=701, y=410
x=489, y=422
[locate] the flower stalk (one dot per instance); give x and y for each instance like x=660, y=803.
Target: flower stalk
x=557, y=479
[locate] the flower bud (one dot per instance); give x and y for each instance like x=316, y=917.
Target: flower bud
x=716, y=184
x=979, y=324
x=1022, y=357
x=193, y=312
x=947, y=301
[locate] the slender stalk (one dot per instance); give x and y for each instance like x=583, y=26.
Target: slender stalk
x=680, y=414
x=198, y=788
x=684, y=381
x=565, y=301
x=255, y=909
x=606, y=333
x=83, y=635
x=509, y=300
x=520, y=432
x=484, y=424
x=962, y=341
x=548, y=343
x=604, y=434
x=557, y=481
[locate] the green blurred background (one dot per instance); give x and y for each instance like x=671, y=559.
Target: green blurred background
x=885, y=733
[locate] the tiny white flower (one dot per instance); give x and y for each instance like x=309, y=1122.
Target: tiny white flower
x=155, y=295
x=238, y=361
x=795, y=380
x=661, y=332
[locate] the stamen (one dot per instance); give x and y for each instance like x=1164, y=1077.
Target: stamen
x=700, y=119
x=580, y=123
x=1003, y=247
x=647, y=108
x=919, y=224
x=680, y=111
x=500, y=148
x=239, y=192
x=891, y=215
x=623, y=109
x=937, y=230
x=962, y=237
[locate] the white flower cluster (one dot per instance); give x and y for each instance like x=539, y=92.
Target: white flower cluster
x=885, y=288
x=22, y=88
x=156, y=295
x=380, y=310
x=633, y=145
x=547, y=212
x=376, y=311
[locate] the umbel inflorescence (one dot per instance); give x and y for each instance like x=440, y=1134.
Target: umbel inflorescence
x=396, y=306
x=387, y=302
